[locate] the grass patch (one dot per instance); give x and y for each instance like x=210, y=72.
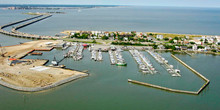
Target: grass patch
x=173, y=35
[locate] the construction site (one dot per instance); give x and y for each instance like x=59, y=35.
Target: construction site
x=31, y=74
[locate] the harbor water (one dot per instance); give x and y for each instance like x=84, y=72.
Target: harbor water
x=107, y=86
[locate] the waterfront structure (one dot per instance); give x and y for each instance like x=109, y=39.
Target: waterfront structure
x=143, y=62
x=165, y=64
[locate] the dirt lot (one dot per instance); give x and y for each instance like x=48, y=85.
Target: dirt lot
x=30, y=73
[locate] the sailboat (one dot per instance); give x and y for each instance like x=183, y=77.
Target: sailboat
x=176, y=71
x=54, y=62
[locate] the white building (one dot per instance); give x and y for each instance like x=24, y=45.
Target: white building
x=194, y=47
x=198, y=42
x=161, y=47
x=207, y=48
x=72, y=33
x=159, y=37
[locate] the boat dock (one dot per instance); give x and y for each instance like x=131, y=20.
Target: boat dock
x=112, y=58
x=207, y=81
x=144, y=64
x=119, y=60
x=165, y=64
x=96, y=55
x=76, y=52
x=29, y=52
x=36, y=53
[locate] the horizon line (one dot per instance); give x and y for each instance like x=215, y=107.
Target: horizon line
x=118, y=5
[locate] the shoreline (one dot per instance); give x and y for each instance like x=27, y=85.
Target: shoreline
x=36, y=89
x=66, y=32
x=25, y=76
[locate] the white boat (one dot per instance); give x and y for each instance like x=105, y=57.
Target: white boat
x=54, y=62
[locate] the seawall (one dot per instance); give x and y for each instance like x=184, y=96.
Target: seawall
x=35, y=89
x=176, y=90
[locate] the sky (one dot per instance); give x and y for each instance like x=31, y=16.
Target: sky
x=178, y=3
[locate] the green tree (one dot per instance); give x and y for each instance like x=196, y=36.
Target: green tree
x=213, y=50
x=166, y=39
x=114, y=35
x=171, y=41
x=84, y=36
x=133, y=34
x=176, y=38
x=141, y=40
x=94, y=41
x=192, y=43
x=155, y=46
x=200, y=47
x=105, y=37
x=206, y=41
x=150, y=34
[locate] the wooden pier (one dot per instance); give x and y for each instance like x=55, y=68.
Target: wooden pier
x=29, y=52
x=36, y=53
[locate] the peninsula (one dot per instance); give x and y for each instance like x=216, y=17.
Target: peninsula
x=31, y=74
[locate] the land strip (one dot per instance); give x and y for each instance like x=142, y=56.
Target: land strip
x=31, y=74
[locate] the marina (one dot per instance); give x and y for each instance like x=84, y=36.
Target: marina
x=112, y=57
x=144, y=63
x=14, y=59
x=111, y=86
x=75, y=51
x=165, y=64
x=116, y=57
x=96, y=55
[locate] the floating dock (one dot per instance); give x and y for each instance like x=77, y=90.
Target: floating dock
x=96, y=56
x=119, y=58
x=111, y=56
x=144, y=64
x=76, y=52
x=116, y=58
x=165, y=64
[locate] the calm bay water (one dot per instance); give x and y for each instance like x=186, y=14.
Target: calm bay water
x=107, y=86
x=143, y=19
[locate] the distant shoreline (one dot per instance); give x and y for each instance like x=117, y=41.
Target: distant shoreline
x=51, y=7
